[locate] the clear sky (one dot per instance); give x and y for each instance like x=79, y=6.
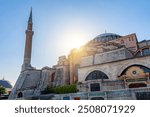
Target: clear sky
x=60, y=25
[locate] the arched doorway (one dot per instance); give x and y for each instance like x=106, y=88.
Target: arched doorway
x=137, y=85
x=20, y=95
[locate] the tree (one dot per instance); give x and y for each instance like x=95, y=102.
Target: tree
x=2, y=90
x=61, y=89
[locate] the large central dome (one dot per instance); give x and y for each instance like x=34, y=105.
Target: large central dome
x=105, y=37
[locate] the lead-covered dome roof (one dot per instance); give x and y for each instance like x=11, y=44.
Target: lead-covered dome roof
x=5, y=83
x=105, y=37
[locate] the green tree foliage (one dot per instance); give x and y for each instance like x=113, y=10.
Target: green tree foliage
x=2, y=90
x=61, y=89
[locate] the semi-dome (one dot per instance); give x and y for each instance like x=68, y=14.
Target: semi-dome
x=5, y=83
x=105, y=37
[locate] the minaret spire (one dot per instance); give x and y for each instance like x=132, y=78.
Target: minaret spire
x=30, y=17
x=28, y=45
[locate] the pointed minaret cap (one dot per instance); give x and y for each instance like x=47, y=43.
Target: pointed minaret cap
x=3, y=78
x=30, y=17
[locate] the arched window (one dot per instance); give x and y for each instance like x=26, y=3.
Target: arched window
x=135, y=70
x=96, y=75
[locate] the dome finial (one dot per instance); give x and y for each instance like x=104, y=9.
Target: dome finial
x=105, y=31
x=105, y=37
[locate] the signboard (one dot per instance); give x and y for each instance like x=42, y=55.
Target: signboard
x=134, y=80
x=96, y=93
x=66, y=98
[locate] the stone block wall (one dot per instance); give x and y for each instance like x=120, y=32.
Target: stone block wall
x=110, y=56
x=86, y=61
x=32, y=79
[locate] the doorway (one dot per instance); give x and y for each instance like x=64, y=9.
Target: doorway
x=95, y=87
x=97, y=98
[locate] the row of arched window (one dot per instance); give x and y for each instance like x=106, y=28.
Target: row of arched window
x=94, y=75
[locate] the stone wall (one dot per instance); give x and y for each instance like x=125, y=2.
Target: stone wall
x=110, y=56
x=28, y=80
x=86, y=61
x=129, y=41
x=32, y=79
x=31, y=82
x=112, y=69
x=112, y=85
x=61, y=75
x=105, y=85
x=144, y=43
x=125, y=94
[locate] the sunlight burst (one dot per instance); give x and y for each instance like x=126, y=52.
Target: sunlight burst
x=73, y=39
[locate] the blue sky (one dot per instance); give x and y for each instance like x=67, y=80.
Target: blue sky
x=59, y=24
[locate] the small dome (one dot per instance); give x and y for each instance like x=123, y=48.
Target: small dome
x=5, y=83
x=46, y=67
x=105, y=37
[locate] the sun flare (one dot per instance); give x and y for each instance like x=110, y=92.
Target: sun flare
x=74, y=39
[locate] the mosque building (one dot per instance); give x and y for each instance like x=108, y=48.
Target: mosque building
x=110, y=66
x=7, y=85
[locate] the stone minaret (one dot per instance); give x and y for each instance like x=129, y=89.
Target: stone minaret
x=28, y=45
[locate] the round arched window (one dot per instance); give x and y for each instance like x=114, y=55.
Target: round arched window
x=96, y=75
